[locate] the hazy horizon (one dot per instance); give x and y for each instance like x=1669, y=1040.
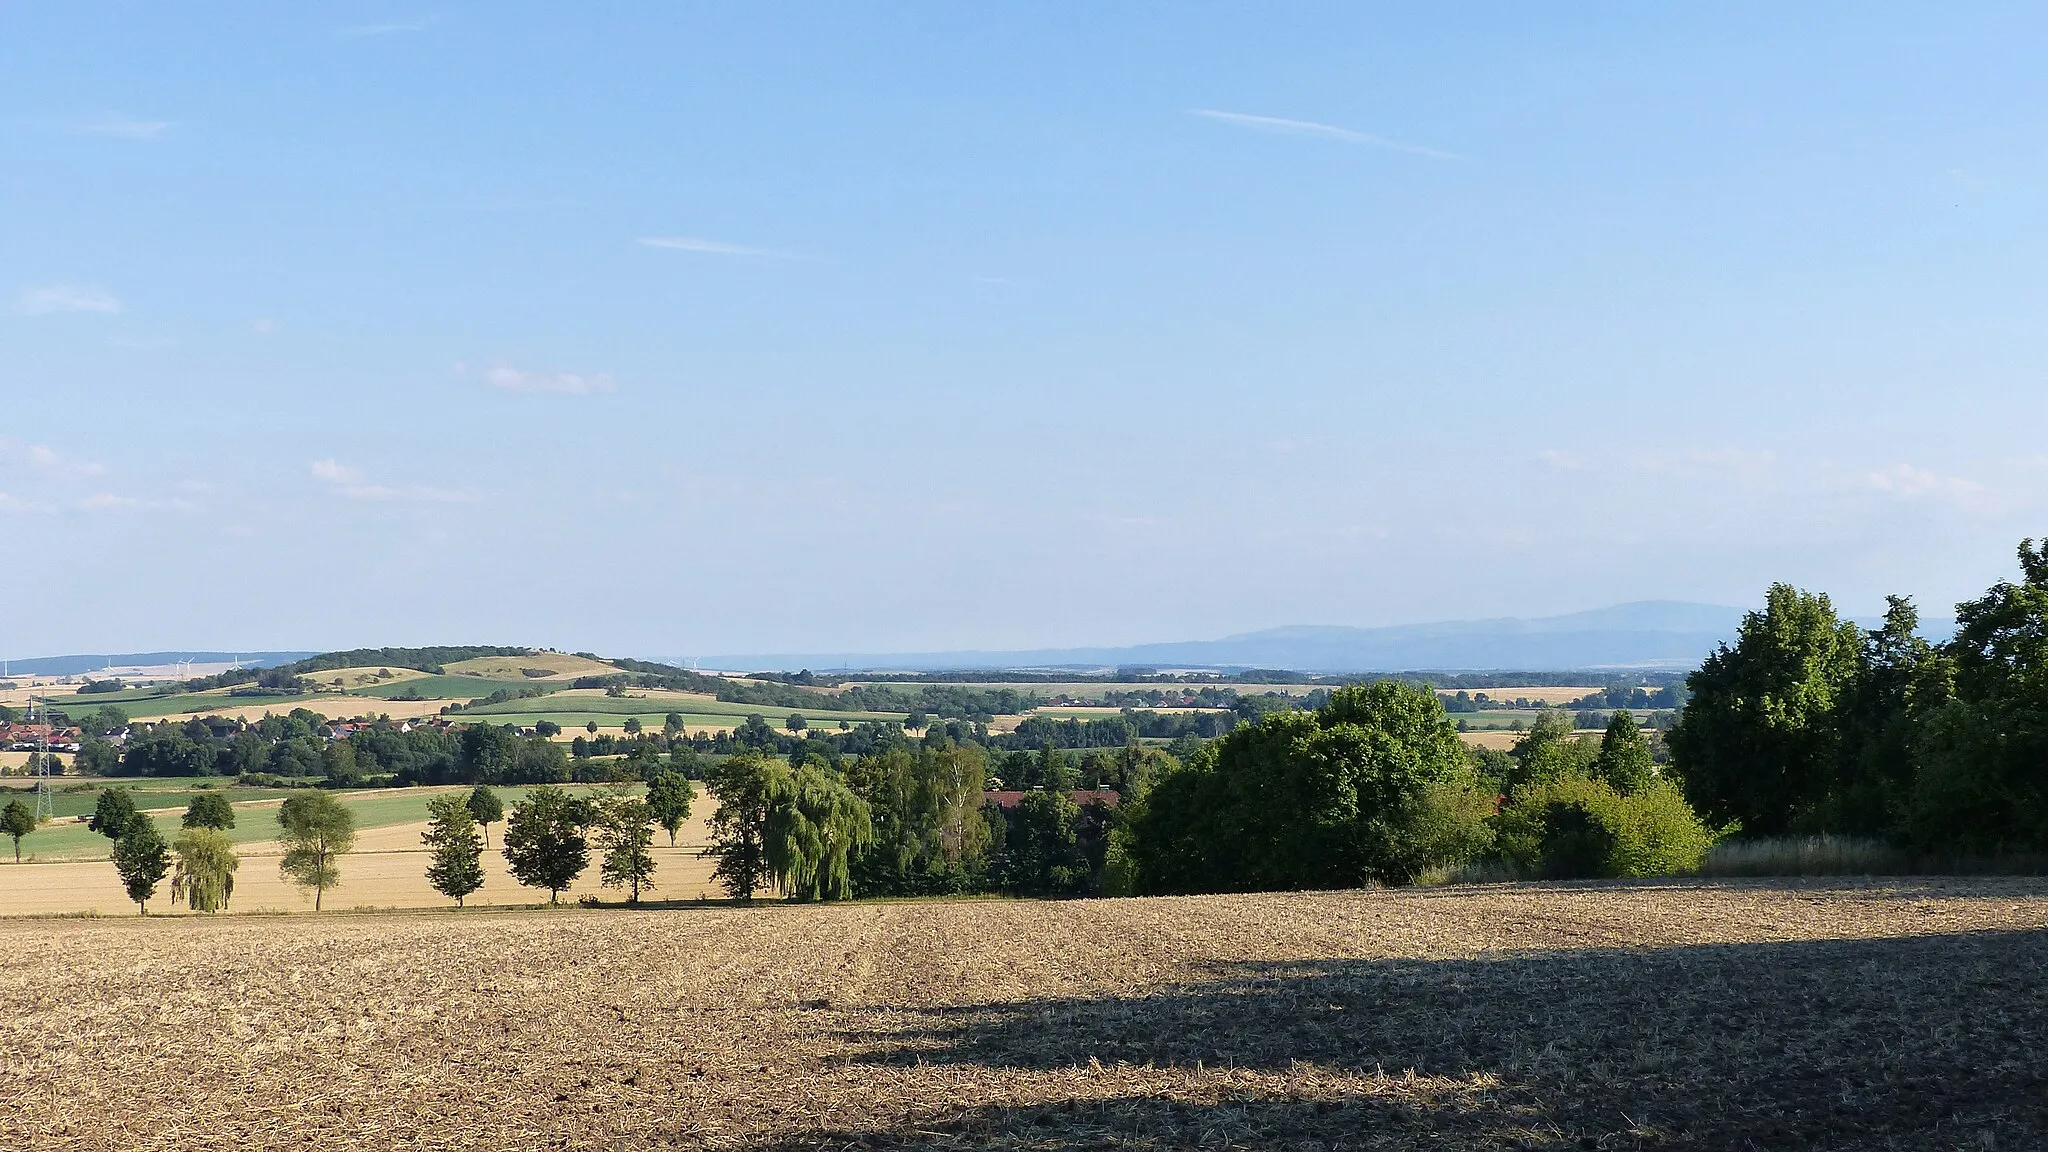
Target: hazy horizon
x=811, y=328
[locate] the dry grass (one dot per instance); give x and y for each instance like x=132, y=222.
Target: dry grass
x=332, y=707
x=511, y=668
x=1908, y=1015
x=1556, y=694
x=365, y=676
x=387, y=869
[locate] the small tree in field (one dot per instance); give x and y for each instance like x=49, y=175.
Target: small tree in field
x=210, y=810
x=17, y=820
x=455, y=867
x=205, y=873
x=624, y=837
x=486, y=809
x=669, y=797
x=141, y=858
x=110, y=817
x=316, y=829
x=544, y=840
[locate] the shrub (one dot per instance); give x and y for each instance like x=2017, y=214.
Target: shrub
x=1580, y=827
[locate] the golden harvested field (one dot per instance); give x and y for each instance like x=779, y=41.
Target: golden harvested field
x=331, y=707
x=387, y=869
x=511, y=667
x=1547, y=695
x=368, y=676
x=1909, y=1015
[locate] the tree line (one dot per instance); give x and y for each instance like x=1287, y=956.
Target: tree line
x=1808, y=724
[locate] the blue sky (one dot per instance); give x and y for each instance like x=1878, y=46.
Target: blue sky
x=670, y=329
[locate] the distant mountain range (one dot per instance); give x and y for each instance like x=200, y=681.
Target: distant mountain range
x=1647, y=634
x=81, y=665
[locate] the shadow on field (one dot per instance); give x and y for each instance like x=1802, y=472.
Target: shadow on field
x=1918, y=1042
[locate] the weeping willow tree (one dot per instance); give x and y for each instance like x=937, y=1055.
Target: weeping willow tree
x=205, y=873
x=813, y=823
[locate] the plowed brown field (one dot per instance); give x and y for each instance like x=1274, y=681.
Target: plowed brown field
x=1894, y=1015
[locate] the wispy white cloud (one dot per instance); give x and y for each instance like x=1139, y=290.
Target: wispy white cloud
x=350, y=483
x=125, y=127
x=710, y=247
x=557, y=383
x=108, y=501
x=12, y=505
x=1909, y=481
x=1288, y=127
x=335, y=472
x=43, y=460
x=56, y=298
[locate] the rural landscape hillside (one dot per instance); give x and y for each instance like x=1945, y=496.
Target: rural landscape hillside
x=820, y=577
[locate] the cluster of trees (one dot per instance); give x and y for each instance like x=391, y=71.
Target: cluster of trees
x=1811, y=724
x=314, y=829
x=547, y=841
x=912, y=818
x=1375, y=787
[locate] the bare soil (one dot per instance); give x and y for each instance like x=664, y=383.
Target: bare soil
x=1901, y=1015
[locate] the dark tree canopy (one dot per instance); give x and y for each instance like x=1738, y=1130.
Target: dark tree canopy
x=545, y=842
x=1760, y=737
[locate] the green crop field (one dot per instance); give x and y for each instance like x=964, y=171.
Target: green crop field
x=70, y=799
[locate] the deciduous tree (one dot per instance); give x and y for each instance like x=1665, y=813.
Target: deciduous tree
x=486, y=808
x=315, y=830
x=1760, y=738
x=17, y=820
x=141, y=858
x=669, y=796
x=112, y=814
x=545, y=842
x=625, y=835
x=455, y=848
x=1624, y=762
x=210, y=810
x=204, y=876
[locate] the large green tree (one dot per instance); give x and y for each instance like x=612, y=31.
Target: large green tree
x=625, y=838
x=455, y=848
x=1361, y=790
x=204, y=876
x=814, y=824
x=1982, y=784
x=141, y=858
x=925, y=804
x=545, y=841
x=740, y=784
x=1902, y=680
x=1760, y=739
x=315, y=829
